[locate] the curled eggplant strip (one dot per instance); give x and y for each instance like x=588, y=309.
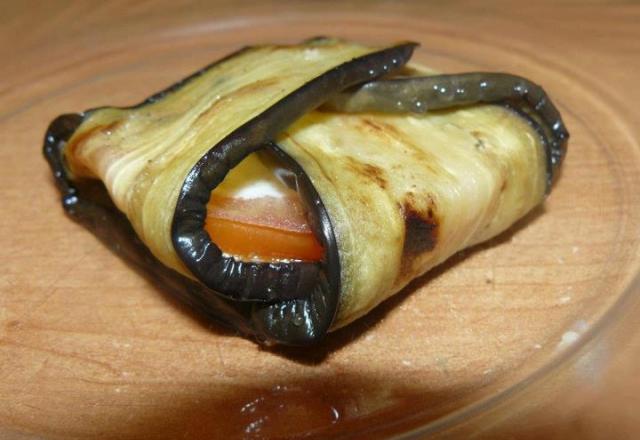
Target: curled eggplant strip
x=438, y=92
x=293, y=302
x=88, y=203
x=204, y=259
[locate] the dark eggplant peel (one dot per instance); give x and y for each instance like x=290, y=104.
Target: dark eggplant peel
x=287, y=190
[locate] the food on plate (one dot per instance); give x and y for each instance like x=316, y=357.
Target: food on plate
x=285, y=191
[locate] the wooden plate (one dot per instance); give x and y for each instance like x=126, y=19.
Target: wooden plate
x=89, y=349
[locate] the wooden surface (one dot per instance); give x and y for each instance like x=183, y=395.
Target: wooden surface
x=91, y=349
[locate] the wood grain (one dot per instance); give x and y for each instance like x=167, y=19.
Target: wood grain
x=91, y=349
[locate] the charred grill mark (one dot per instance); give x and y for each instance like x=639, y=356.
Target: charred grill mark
x=374, y=173
x=481, y=143
x=389, y=130
x=385, y=129
x=372, y=124
x=368, y=171
x=421, y=232
x=381, y=127
x=397, y=136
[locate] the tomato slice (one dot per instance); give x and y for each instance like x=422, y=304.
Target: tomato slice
x=265, y=229
x=254, y=215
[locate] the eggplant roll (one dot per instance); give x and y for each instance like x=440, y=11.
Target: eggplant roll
x=285, y=191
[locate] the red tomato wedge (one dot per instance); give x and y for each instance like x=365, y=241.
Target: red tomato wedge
x=265, y=228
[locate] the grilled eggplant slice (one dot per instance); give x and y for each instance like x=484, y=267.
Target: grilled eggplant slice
x=379, y=195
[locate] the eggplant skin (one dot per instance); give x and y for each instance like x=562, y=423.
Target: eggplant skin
x=188, y=258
